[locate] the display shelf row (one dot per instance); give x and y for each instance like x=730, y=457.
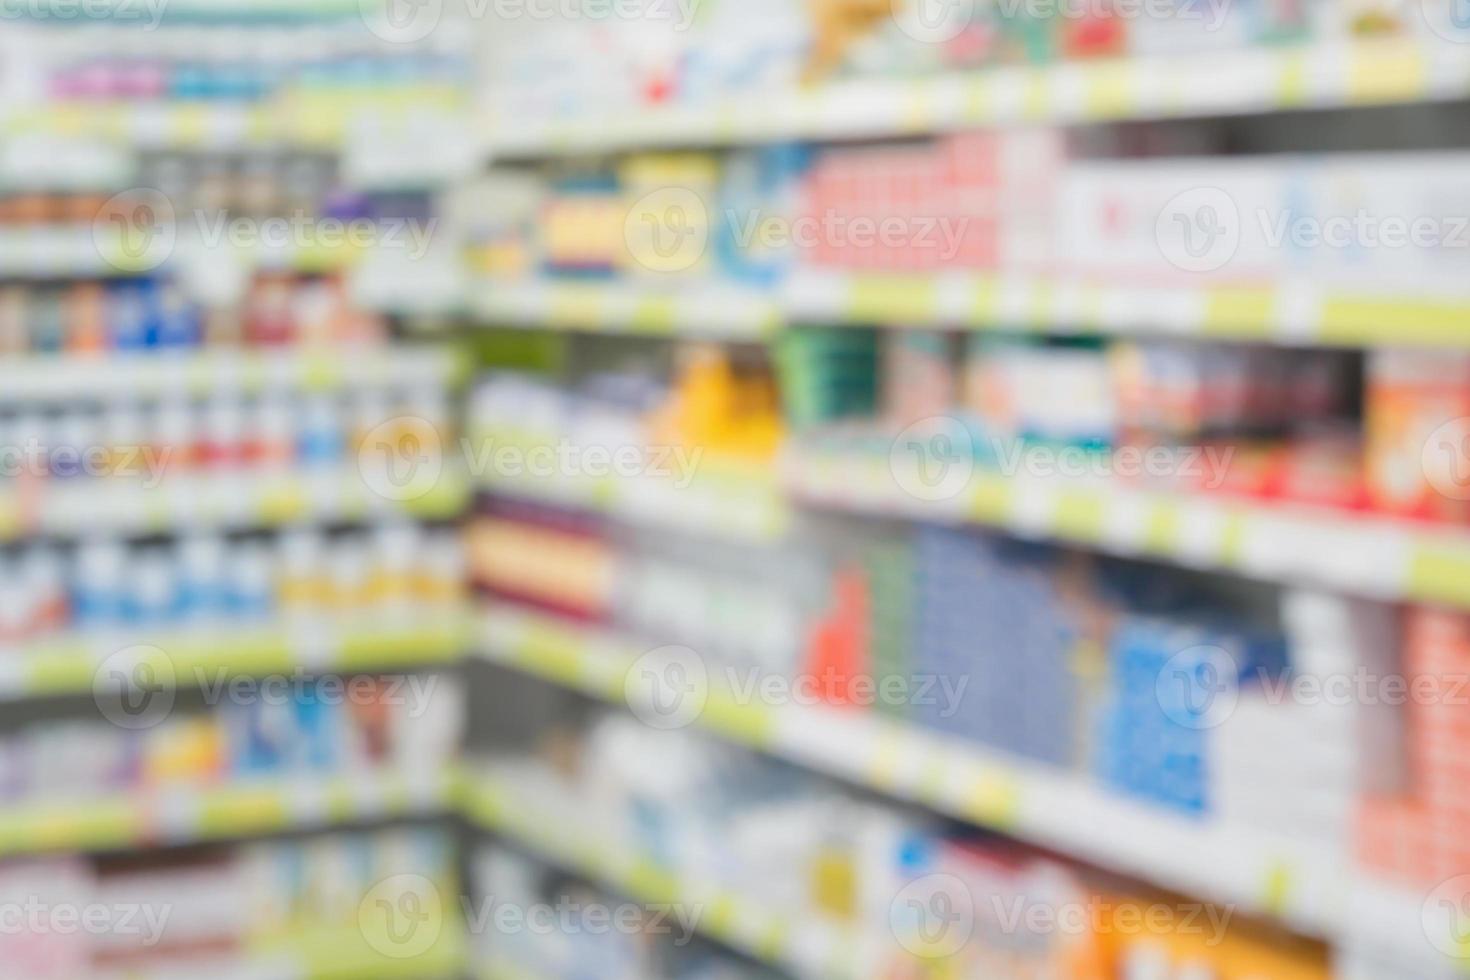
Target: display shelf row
x=709, y=309
x=235, y=810
x=341, y=954
x=725, y=497
x=1376, y=557
x=322, y=120
x=1287, y=313
x=349, y=954
x=408, y=640
x=99, y=251
x=216, y=501
x=1251, y=80
x=1052, y=808
x=48, y=378
x=1352, y=552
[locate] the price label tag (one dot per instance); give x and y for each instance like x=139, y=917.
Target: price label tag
x=1201, y=534
x=310, y=801
x=174, y=815
x=314, y=644
x=12, y=675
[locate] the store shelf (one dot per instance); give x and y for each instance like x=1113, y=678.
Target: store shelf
x=349, y=955
x=340, y=954
x=207, y=371
x=503, y=968
x=182, y=815
x=129, y=506
x=1291, y=544
x=702, y=309
x=1309, y=889
x=216, y=11
x=83, y=251
x=496, y=800
x=326, y=119
x=1292, y=313
x=398, y=282
x=1201, y=84
x=1288, y=312
x=722, y=497
x=416, y=638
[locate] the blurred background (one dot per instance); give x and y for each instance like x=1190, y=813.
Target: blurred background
x=711, y=489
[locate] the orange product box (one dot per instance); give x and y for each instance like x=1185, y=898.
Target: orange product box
x=1417, y=462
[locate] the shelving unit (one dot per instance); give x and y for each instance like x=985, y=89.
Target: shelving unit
x=39, y=377
x=1287, y=313
x=70, y=666
x=1272, y=312
x=733, y=497
x=223, y=500
x=1203, y=84
x=683, y=309
x=323, y=120
x=1293, y=544
x=237, y=809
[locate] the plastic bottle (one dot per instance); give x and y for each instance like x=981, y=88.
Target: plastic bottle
x=204, y=597
x=97, y=591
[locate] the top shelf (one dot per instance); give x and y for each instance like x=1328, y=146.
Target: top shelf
x=1222, y=83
